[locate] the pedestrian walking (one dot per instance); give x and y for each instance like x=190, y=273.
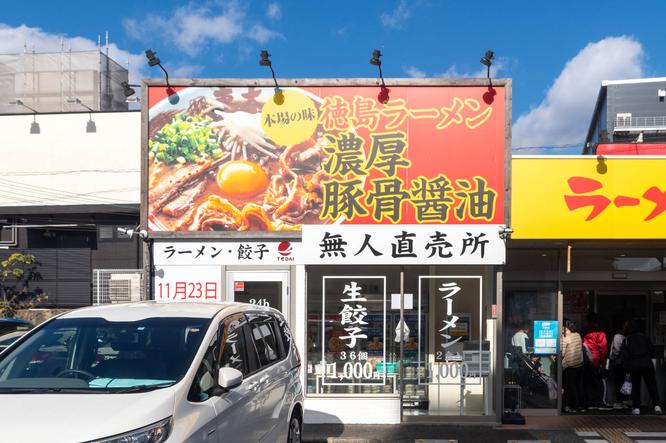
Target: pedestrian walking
x=617, y=369
x=572, y=364
x=637, y=355
x=595, y=341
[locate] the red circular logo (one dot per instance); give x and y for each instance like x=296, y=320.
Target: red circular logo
x=284, y=248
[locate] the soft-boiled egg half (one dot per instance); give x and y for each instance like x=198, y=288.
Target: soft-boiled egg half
x=241, y=179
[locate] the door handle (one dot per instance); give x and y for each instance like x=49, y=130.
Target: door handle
x=253, y=385
x=263, y=379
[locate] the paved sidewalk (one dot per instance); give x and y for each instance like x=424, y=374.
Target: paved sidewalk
x=561, y=429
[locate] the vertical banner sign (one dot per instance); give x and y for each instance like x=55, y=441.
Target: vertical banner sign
x=457, y=326
x=545, y=336
x=353, y=330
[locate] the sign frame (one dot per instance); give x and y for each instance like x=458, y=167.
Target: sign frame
x=177, y=84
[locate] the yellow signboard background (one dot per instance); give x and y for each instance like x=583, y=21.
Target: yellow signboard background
x=539, y=211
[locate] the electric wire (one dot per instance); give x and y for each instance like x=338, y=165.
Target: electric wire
x=38, y=194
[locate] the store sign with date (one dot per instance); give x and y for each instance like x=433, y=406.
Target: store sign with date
x=188, y=284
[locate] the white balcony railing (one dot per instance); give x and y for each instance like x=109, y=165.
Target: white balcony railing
x=639, y=124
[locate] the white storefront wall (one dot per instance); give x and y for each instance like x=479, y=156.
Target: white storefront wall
x=65, y=164
x=198, y=263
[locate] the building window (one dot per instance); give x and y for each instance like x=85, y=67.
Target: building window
x=354, y=334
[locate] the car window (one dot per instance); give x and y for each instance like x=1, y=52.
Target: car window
x=205, y=379
x=284, y=335
x=227, y=349
x=103, y=355
x=233, y=353
x=264, y=339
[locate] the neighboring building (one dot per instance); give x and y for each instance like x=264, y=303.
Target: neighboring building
x=588, y=237
x=629, y=118
x=63, y=193
x=53, y=82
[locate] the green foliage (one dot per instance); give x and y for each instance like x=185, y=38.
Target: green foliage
x=17, y=273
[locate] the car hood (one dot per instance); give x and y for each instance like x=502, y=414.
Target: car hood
x=70, y=418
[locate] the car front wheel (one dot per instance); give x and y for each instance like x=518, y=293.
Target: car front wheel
x=295, y=429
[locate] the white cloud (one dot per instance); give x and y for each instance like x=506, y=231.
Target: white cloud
x=499, y=65
x=186, y=71
x=414, y=72
x=19, y=38
x=341, y=30
x=261, y=34
x=191, y=27
x=274, y=12
x=397, y=17
x=564, y=114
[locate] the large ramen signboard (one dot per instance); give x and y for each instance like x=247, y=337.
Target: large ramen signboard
x=239, y=158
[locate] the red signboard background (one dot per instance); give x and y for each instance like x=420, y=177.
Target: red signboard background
x=456, y=151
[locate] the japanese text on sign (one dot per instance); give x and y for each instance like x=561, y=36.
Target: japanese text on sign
x=448, y=289
x=434, y=199
x=404, y=244
x=582, y=187
x=339, y=114
x=188, y=283
x=348, y=356
x=352, y=314
x=187, y=290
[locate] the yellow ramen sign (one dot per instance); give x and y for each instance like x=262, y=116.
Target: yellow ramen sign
x=588, y=198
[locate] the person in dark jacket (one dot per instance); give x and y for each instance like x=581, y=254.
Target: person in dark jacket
x=617, y=368
x=637, y=356
x=595, y=341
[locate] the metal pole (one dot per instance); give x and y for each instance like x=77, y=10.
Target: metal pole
x=150, y=269
x=401, y=323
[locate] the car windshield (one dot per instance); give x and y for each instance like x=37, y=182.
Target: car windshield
x=97, y=355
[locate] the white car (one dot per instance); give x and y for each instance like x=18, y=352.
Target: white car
x=153, y=372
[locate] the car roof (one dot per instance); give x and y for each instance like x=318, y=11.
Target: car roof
x=151, y=309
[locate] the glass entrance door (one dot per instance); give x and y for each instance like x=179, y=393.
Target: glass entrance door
x=531, y=349
x=263, y=288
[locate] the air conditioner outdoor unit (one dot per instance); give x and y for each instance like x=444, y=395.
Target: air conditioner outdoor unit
x=124, y=288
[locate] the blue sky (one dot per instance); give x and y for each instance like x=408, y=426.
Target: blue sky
x=556, y=52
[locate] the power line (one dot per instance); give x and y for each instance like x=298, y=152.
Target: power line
x=562, y=146
x=38, y=194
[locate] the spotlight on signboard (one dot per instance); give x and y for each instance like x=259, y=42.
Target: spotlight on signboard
x=266, y=61
x=487, y=60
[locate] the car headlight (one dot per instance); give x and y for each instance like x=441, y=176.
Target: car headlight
x=155, y=433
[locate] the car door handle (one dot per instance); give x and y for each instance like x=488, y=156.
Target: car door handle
x=252, y=385
x=263, y=379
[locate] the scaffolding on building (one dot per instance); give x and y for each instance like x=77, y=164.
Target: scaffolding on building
x=53, y=81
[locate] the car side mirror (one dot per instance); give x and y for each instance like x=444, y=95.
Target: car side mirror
x=229, y=378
